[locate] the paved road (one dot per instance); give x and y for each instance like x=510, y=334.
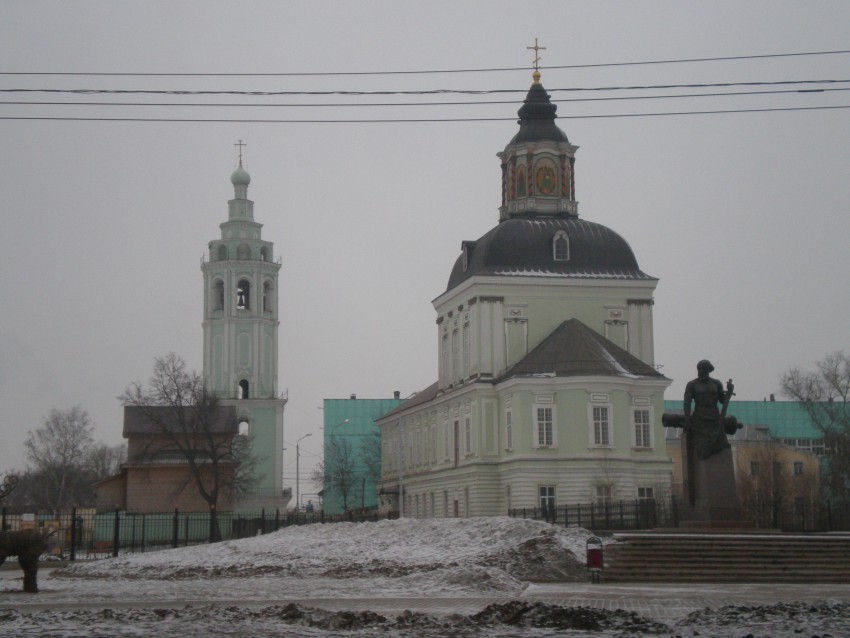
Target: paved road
x=666, y=603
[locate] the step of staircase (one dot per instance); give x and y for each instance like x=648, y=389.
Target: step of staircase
x=718, y=557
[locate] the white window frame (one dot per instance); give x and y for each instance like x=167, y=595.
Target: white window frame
x=509, y=430
x=552, y=438
x=560, y=236
x=467, y=435
x=636, y=442
x=645, y=493
x=591, y=423
x=550, y=495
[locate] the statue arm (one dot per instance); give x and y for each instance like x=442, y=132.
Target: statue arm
x=689, y=398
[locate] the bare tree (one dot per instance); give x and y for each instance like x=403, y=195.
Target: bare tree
x=336, y=474
x=57, y=451
x=189, y=422
x=103, y=461
x=370, y=456
x=825, y=396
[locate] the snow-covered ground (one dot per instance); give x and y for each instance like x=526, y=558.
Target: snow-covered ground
x=341, y=579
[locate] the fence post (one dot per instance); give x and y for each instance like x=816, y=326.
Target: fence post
x=3, y=528
x=623, y=518
x=143, y=533
x=116, y=533
x=73, y=534
x=175, y=529
x=276, y=519
x=263, y=521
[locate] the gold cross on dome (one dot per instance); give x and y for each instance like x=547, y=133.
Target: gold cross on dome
x=240, y=144
x=537, y=49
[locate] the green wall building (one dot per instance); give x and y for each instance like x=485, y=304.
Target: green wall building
x=352, y=451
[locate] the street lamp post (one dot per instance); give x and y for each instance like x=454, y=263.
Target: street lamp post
x=331, y=486
x=298, y=473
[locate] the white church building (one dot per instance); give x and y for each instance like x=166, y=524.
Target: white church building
x=546, y=392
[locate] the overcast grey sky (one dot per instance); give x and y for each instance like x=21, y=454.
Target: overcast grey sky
x=742, y=216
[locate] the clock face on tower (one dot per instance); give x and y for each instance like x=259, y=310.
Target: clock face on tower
x=545, y=180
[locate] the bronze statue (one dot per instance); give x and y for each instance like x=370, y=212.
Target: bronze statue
x=707, y=424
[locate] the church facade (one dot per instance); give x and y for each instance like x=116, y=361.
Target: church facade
x=240, y=331
x=546, y=390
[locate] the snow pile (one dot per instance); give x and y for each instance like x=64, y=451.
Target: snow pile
x=480, y=554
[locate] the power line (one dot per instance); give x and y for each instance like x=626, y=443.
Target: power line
x=416, y=92
x=407, y=120
x=422, y=72
x=393, y=104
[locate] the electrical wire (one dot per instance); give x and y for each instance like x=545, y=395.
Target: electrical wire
x=416, y=92
x=385, y=104
x=407, y=120
x=423, y=72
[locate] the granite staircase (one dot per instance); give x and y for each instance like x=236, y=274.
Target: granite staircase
x=735, y=557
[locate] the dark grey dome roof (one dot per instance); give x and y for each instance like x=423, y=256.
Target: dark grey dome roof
x=537, y=118
x=523, y=247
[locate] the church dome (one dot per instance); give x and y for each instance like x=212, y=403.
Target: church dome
x=537, y=118
x=526, y=246
x=240, y=177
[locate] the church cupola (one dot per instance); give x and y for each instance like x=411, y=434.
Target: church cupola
x=538, y=164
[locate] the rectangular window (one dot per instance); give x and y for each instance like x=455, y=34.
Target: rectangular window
x=509, y=430
x=433, y=442
x=467, y=435
x=798, y=468
x=645, y=493
x=601, y=426
x=467, y=354
x=455, y=356
x=446, y=440
x=544, y=426
x=547, y=497
x=642, y=428
x=444, y=360
x=603, y=494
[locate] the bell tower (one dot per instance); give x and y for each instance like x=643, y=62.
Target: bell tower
x=241, y=332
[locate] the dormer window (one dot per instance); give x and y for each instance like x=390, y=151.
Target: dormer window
x=561, y=246
x=468, y=249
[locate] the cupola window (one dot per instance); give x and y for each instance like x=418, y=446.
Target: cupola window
x=521, y=190
x=561, y=246
x=243, y=295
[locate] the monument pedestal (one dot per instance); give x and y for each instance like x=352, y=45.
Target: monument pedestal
x=711, y=497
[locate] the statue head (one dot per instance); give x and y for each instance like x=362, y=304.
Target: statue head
x=704, y=367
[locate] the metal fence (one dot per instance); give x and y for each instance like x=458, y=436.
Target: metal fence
x=600, y=516
x=85, y=533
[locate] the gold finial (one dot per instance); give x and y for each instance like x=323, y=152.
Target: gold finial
x=240, y=144
x=537, y=49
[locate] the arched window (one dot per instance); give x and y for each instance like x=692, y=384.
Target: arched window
x=243, y=294
x=243, y=389
x=264, y=253
x=243, y=251
x=218, y=295
x=561, y=246
x=268, y=291
x=244, y=428
x=222, y=252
